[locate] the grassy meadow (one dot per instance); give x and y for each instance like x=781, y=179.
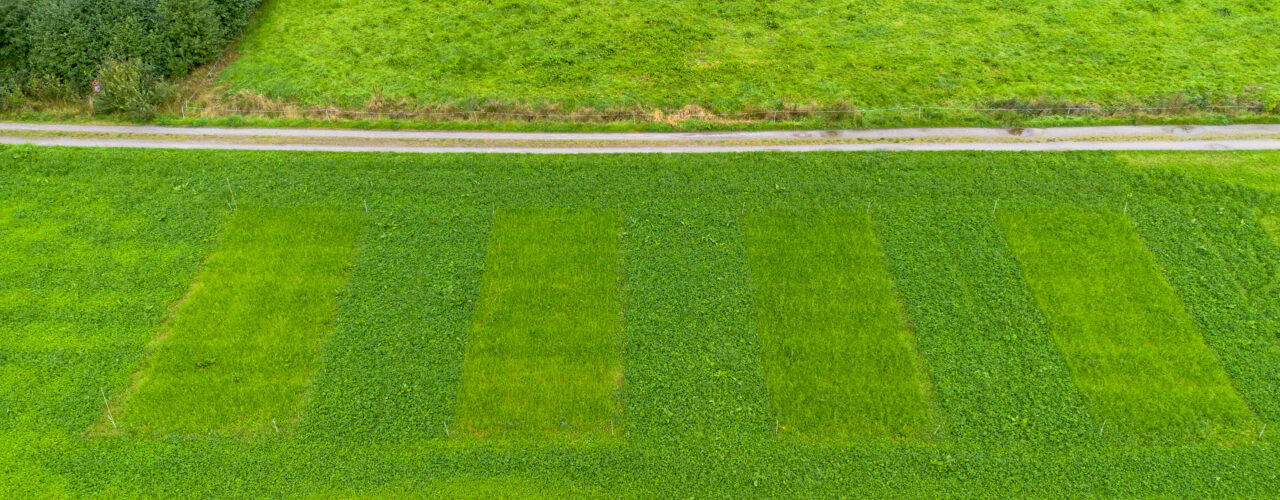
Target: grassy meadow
x=561, y=56
x=338, y=325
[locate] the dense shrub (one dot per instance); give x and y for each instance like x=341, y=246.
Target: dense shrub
x=13, y=42
x=127, y=87
x=10, y=97
x=71, y=40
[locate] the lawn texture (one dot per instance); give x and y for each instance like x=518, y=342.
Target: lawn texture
x=543, y=352
x=98, y=247
x=838, y=356
x=735, y=55
x=237, y=355
x=1132, y=348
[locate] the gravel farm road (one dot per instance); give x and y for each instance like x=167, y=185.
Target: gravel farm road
x=1104, y=138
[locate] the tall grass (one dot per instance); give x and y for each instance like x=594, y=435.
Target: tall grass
x=686, y=57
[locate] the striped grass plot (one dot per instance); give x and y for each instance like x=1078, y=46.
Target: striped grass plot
x=543, y=353
x=237, y=355
x=838, y=357
x=1131, y=347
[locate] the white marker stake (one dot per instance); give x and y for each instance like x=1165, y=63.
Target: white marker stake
x=233, y=194
x=107, y=404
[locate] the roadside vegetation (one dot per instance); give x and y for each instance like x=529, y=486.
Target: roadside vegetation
x=1093, y=323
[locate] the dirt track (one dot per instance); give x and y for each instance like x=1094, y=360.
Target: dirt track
x=1187, y=138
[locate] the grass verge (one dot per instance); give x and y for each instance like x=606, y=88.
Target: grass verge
x=741, y=56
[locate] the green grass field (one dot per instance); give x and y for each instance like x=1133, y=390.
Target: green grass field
x=1108, y=308
x=236, y=356
x=837, y=355
x=744, y=55
x=922, y=324
x=542, y=356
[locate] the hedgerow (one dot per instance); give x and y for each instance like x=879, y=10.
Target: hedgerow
x=95, y=245
x=70, y=40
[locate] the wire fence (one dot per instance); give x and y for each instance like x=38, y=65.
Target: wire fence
x=774, y=115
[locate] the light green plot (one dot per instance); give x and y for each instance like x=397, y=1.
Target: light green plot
x=1271, y=224
x=543, y=352
x=1258, y=169
x=20, y=477
x=237, y=354
x=838, y=357
x=1131, y=347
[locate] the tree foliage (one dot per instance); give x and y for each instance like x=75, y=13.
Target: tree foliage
x=71, y=40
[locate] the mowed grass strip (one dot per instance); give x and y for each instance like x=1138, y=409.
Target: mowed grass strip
x=1130, y=345
x=237, y=356
x=542, y=356
x=838, y=356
